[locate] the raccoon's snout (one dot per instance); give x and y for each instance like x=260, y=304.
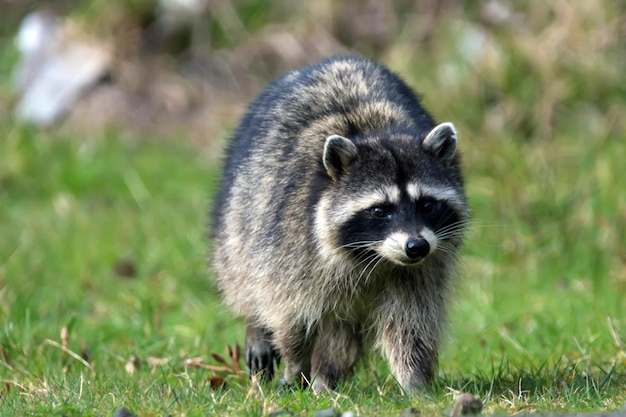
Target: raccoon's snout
x=404, y=250
x=417, y=248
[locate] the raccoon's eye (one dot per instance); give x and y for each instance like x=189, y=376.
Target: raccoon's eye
x=426, y=206
x=379, y=212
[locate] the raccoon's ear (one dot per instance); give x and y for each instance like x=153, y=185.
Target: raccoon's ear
x=339, y=152
x=441, y=141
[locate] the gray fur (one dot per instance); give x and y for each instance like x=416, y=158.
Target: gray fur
x=442, y=141
x=311, y=161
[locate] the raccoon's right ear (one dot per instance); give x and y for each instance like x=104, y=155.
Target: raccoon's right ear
x=441, y=141
x=339, y=152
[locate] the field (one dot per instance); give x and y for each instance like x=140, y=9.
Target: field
x=106, y=300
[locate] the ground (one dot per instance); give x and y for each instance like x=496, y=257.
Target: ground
x=104, y=225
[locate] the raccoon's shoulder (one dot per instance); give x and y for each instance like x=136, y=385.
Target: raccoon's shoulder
x=264, y=114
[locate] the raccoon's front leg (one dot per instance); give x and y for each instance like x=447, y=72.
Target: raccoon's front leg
x=336, y=350
x=296, y=346
x=412, y=353
x=260, y=353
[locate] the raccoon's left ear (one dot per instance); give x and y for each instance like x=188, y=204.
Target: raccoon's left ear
x=339, y=152
x=441, y=141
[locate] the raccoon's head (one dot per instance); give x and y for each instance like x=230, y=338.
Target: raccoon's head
x=392, y=197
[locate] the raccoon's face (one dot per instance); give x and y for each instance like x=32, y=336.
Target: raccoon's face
x=399, y=200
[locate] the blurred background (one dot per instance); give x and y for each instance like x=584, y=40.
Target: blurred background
x=503, y=68
x=93, y=94
x=536, y=88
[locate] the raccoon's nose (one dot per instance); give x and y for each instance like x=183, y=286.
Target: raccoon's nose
x=417, y=248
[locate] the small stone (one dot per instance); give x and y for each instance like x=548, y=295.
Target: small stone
x=328, y=412
x=125, y=268
x=466, y=404
x=123, y=412
x=410, y=412
x=133, y=364
x=280, y=413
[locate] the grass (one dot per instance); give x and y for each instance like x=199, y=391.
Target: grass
x=537, y=326
x=104, y=235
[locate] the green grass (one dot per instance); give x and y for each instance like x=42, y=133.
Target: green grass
x=538, y=321
x=70, y=211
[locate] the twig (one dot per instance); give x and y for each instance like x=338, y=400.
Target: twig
x=69, y=352
x=5, y=357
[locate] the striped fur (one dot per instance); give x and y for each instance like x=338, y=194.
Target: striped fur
x=337, y=224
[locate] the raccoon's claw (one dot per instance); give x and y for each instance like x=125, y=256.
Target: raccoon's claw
x=260, y=354
x=320, y=386
x=260, y=360
x=293, y=384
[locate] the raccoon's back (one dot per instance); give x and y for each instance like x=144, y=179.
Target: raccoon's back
x=263, y=220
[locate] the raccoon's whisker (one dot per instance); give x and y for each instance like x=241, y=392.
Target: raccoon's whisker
x=380, y=259
x=367, y=270
x=371, y=261
x=352, y=283
x=444, y=218
x=373, y=258
x=452, y=230
x=450, y=234
x=367, y=259
x=446, y=247
x=359, y=244
x=460, y=223
x=478, y=223
x=470, y=224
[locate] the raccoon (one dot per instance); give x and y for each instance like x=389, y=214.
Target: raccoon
x=337, y=225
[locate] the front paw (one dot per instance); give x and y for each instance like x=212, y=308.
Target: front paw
x=260, y=353
x=260, y=359
x=294, y=383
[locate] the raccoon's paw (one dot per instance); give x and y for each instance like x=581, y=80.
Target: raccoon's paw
x=260, y=357
x=295, y=383
x=320, y=386
x=260, y=353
